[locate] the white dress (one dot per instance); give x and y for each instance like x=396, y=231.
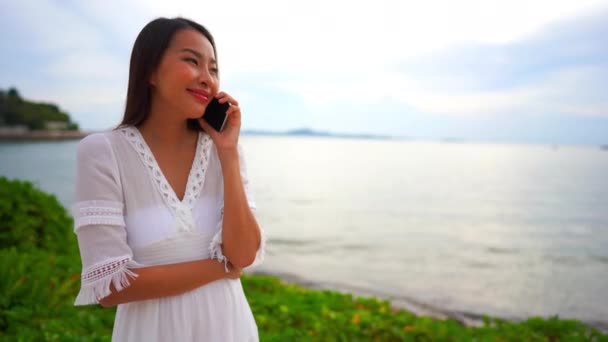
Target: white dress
x=127, y=216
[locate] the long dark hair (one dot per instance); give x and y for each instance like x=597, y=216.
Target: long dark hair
x=148, y=50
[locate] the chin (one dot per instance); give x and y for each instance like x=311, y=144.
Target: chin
x=195, y=113
x=194, y=116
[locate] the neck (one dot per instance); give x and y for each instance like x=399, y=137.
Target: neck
x=163, y=128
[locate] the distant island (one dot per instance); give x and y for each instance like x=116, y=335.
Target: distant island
x=21, y=119
x=307, y=132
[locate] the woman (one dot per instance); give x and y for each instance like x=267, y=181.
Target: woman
x=163, y=213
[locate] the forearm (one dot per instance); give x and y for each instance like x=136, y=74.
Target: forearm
x=166, y=280
x=241, y=234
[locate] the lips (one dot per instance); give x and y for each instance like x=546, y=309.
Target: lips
x=200, y=95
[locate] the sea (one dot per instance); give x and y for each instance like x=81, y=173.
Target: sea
x=457, y=228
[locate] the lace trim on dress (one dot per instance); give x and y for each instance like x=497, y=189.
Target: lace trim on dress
x=96, y=279
x=215, y=247
x=97, y=212
x=196, y=178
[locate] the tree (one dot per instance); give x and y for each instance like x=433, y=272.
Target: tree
x=13, y=94
x=15, y=110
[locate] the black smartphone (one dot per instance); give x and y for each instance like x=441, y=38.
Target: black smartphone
x=215, y=114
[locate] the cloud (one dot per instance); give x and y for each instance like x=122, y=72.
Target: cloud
x=47, y=28
x=323, y=36
x=330, y=64
x=560, y=70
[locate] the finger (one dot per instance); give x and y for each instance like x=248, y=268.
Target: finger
x=233, y=101
x=234, y=110
x=204, y=124
x=224, y=97
x=221, y=96
x=228, y=99
x=208, y=129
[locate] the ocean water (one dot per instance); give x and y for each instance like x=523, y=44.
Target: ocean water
x=507, y=230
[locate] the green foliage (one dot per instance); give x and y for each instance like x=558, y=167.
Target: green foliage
x=31, y=219
x=38, y=290
x=15, y=110
x=39, y=271
x=39, y=280
x=72, y=126
x=287, y=312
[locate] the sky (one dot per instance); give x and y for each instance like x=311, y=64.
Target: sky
x=531, y=71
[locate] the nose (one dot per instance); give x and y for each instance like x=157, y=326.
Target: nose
x=206, y=79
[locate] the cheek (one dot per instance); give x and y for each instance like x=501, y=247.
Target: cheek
x=176, y=74
x=184, y=73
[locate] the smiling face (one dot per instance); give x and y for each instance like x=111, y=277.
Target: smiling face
x=186, y=78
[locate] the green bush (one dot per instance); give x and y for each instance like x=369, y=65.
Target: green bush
x=38, y=291
x=39, y=271
x=31, y=219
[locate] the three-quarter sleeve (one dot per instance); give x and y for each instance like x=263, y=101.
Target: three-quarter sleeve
x=99, y=221
x=215, y=248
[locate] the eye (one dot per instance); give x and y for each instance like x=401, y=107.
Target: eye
x=191, y=60
x=214, y=71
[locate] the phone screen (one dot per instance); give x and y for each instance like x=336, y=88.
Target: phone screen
x=215, y=114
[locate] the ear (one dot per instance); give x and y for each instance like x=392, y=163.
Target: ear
x=152, y=78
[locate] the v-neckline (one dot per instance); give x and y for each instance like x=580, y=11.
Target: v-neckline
x=162, y=173
x=167, y=191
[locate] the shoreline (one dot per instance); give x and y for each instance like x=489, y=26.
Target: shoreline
x=468, y=319
x=43, y=135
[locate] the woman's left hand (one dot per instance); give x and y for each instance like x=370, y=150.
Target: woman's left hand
x=228, y=139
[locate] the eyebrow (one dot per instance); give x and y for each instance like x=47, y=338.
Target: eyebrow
x=198, y=54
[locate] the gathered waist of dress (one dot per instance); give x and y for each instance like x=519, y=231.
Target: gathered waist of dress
x=181, y=247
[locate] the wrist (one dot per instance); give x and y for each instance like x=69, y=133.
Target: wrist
x=227, y=155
